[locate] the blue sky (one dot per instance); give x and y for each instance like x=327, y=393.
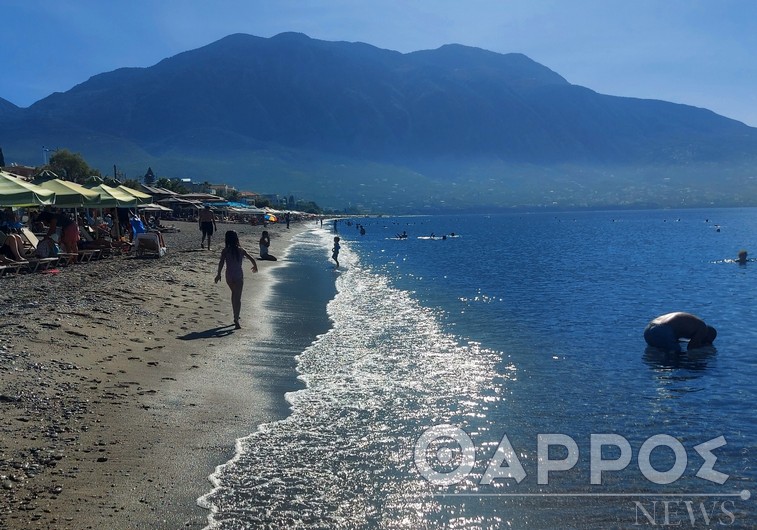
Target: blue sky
x=698, y=52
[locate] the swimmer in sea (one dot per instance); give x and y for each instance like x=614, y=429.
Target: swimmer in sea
x=667, y=330
x=742, y=257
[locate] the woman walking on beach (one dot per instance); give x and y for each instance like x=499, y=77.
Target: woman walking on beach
x=232, y=256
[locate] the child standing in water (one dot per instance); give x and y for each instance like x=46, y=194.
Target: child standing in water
x=232, y=256
x=335, y=252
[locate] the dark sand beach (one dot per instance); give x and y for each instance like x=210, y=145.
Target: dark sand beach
x=123, y=384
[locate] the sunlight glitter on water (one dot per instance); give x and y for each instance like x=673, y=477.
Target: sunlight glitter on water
x=343, y=459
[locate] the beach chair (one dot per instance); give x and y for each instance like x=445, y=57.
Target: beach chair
x=88, y=255
x=149, y=243
x=91, y=250
x=10, y=269
x=34, y=262
x=67, y=258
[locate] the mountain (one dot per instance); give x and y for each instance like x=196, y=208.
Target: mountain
x=352, y=123
x=7, y=108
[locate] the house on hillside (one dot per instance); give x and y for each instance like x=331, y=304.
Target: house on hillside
x=248, y=197
x=222, y=190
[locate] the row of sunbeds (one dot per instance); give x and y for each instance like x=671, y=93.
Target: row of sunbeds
x=34, y=263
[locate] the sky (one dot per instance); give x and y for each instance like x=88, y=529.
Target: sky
x=697, y=52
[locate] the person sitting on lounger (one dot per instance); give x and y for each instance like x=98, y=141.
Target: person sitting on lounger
x=7, y=261
x=12, y=247
x=66, y=228
x=9, y=221
x=47, y=248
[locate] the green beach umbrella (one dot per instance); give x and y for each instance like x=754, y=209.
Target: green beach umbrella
x=71, y=194
x=18, y=193
x=114, y=197
x=142, y=197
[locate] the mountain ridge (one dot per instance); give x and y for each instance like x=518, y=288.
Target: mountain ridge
x=246, y=99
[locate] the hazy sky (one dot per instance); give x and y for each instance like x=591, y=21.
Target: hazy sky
x=698, y=52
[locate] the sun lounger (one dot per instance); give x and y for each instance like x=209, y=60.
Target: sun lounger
x=91, y=248
x=67, y=258
x=149, y=243
x=30, y=238
x=36, y=264
x=88, y=255
x=10, y=269
x=34, y=242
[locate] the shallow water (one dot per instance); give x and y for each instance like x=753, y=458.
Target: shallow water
x=524, y=325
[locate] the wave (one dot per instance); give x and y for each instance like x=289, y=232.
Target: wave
x=383, y=374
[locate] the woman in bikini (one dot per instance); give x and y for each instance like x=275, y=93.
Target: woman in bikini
x=232, y=256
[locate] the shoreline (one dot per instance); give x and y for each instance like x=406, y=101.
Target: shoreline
x=123, y=385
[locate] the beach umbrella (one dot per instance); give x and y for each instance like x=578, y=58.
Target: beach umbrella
x=271, y=218
x=114, y=197
x=204, y=197
x=180, y=202
x=142, y=197
x=45, y=174
x=153, y=208
x=71, y=194
x=18, y=193
x=247, y=211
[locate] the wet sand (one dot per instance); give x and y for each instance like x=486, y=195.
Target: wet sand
x=123, y=384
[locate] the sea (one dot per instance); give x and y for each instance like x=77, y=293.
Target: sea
x=490, y=372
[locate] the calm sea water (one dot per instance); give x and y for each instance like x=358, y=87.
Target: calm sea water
x=524, y=325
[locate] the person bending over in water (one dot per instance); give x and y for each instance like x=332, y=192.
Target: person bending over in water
x=232, y=255
x=665, y=331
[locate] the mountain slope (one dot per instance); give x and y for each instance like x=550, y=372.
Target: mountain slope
x=439, y=114
x=7, y=109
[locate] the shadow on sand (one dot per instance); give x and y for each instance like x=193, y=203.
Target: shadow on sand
x=212, y=333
